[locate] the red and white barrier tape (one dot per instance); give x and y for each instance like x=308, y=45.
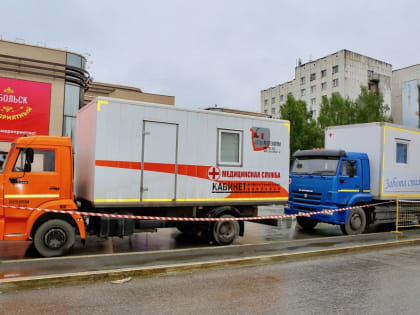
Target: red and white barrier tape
x=143, y=217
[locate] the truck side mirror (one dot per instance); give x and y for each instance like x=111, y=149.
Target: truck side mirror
x=29, y=155
x=29, y=159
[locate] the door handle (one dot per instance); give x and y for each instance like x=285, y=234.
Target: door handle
x=343, y=181
x=54, y=188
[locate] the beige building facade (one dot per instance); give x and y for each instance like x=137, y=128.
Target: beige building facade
x=41, y=90
x=343, y=72
x=125, y=92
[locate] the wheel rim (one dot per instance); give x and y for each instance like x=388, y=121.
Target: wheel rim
x=55, y=238
x=226, y=230
x=356, y=222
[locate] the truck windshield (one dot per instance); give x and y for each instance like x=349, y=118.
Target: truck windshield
x=2, y=160
x=315, y=165
x=4, y=157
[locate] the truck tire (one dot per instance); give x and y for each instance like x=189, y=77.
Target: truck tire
x=54, y=238
x=306, y=223
x=356, y=222
x=225, y=232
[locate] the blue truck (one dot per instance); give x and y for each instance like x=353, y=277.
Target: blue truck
x=361, y=165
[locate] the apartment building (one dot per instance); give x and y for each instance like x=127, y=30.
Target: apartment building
x=343, y=72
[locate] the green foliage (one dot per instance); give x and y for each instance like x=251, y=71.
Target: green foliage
x=370, y=107
x=304, y=133
x=336, y=111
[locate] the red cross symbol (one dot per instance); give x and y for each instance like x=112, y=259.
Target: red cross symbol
x=214, y=173
x=330, y=134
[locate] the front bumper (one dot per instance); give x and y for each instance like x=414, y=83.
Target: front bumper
x=338, y=217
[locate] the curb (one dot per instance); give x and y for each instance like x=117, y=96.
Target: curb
x=108, y=275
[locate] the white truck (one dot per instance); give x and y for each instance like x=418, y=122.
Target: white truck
x=361, y=164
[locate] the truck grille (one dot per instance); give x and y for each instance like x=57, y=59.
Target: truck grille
x=312, y=198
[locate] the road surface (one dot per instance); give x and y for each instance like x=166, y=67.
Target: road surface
x=378, y=282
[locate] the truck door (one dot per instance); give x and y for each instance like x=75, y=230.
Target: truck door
x=32, y=188
x=349, y=179
x=159, y=161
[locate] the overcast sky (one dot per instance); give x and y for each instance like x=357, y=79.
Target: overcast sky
x=213, y=52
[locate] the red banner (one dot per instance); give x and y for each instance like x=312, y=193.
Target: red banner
x=24, y=108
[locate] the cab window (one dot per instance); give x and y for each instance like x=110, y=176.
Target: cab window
x=44, y=161
x=348, y=168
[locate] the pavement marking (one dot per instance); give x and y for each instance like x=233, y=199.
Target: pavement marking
x=184, y=249
x=51, y=280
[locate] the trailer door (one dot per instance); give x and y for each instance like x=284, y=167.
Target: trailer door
x=159, y=161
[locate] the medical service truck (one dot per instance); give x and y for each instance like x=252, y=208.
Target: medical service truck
x=362, y=164
x=142, y=159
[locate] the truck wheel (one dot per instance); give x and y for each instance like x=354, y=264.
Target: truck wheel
x=356, y=222
x=306, y=223
x=225, y=232
x=54, y=238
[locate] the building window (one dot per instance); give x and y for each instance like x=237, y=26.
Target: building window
x=302, y=80
x=313, y=89
x=313, y=76
x=370, y=74
x=266, y=111
x=335, y=82
x=75, y=60
x=273, y=100
x=323, y=73
x=265, y=102
x=273, y=110
x=302, y=92
x=401, y=157
x=334, y=69
x=281, y=98
x=314, y=114
x=230, y=147
x=73, y=100
x=313, y=101
x=323, y=86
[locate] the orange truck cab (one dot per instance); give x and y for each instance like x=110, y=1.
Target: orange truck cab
x=38, y=174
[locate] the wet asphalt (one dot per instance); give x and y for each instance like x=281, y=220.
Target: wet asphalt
x=379, y=282
x=169, y=247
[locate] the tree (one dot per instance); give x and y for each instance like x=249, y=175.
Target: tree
x=370, y=107
x=304, y=133
x=336, y=111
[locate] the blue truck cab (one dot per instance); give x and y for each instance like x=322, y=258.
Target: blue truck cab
x=330, y=179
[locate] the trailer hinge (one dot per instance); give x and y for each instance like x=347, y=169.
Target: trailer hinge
x=144, y=189
x=146, y=133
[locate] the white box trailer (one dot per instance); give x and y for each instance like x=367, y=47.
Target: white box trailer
x=393, y=153
x=160, y=160
x=140, y=154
